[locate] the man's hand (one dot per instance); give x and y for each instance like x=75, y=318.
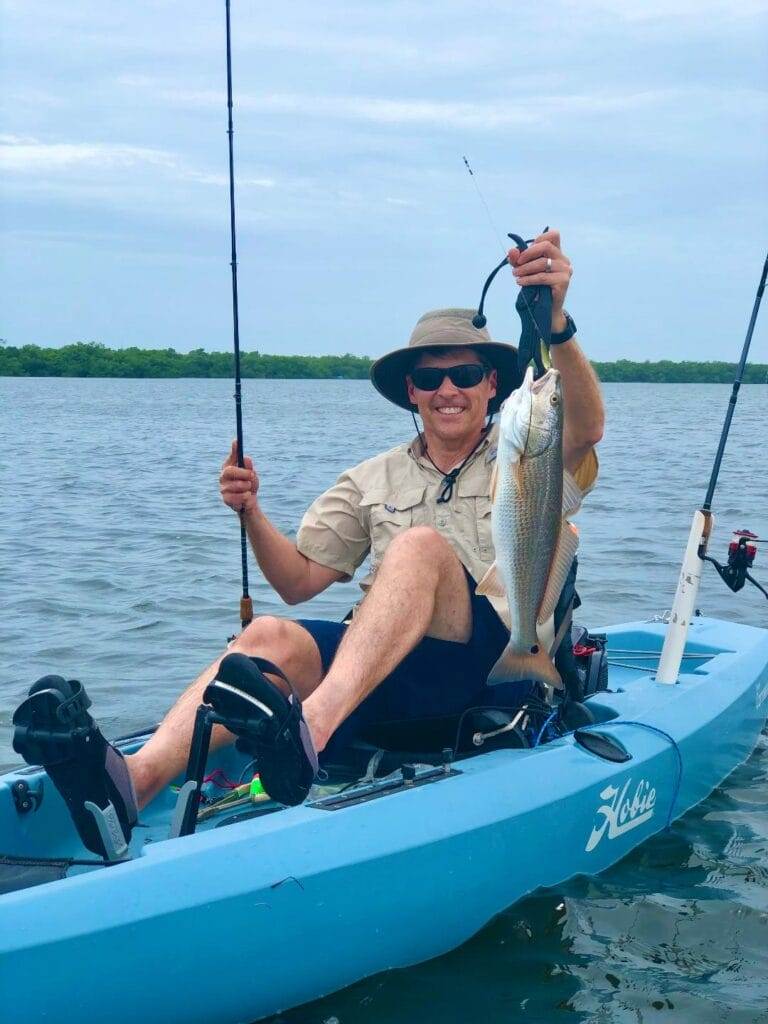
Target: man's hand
x=238, y=486
x=530, y=267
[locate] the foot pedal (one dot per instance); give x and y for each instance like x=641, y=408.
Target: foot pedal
x=52, y=728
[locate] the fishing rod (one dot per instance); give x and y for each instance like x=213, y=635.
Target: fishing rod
x=246, y=604
x=742, y=549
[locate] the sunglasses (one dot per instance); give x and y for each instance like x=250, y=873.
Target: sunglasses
x=465, y=375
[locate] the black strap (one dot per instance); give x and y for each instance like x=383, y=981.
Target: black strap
x=448, y=481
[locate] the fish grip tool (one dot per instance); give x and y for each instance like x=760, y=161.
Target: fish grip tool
x=534, y=304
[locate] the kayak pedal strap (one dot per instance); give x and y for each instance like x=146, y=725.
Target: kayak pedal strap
x=227, y=703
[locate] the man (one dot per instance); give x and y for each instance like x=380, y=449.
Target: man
x=422, y=641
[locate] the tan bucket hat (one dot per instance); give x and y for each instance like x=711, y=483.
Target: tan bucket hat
x=438, y=329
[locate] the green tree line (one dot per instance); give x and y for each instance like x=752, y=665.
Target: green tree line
x=91, y=359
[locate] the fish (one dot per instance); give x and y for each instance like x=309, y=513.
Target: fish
x=534, y=543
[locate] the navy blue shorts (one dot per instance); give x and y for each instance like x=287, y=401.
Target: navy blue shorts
x=438, y=677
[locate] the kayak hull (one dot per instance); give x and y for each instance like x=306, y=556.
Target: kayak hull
x=235, y=923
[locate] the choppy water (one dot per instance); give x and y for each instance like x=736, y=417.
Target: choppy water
x=120, y=566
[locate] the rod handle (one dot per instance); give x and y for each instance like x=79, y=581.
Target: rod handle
x=246, y=611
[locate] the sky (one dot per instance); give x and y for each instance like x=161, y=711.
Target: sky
x=636, y=128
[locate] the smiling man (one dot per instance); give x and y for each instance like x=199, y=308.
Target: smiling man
x=422, y=641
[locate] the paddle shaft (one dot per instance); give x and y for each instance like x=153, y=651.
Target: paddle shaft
x=246, y=605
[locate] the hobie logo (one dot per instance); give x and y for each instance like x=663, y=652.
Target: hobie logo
x=624, y=810
x=761, y=695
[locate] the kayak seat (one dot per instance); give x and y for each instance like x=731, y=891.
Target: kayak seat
x=430, y=740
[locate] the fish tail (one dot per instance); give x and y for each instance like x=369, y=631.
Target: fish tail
x=535, y=664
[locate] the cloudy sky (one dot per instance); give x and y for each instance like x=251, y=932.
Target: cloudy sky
x=638, y=128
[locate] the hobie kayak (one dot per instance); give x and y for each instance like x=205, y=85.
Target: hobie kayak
x=389, y=871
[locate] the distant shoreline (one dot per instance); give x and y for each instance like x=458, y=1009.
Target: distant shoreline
x=90, y=359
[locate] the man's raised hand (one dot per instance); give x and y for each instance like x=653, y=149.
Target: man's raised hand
x=238, y=486
x=530, y=267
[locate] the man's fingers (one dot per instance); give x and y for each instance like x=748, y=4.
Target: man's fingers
x=236, y=473
x=539, y=266
x=539, y=249
x=237, y=487
x=551, y=279
x=553, y=235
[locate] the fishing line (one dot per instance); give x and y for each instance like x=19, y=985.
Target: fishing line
x=546, y=361
x=494, y=229
x=246, y=604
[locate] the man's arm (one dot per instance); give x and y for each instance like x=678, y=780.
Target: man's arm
x=583, y=412
x=294, y=576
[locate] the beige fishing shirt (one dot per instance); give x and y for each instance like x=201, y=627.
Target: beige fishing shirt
x=373, y=502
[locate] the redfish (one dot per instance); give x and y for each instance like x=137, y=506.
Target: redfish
x=534, y=543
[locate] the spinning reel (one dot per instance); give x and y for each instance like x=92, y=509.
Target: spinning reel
x=742, y=551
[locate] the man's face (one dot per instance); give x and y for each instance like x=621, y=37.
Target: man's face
x=452, y=413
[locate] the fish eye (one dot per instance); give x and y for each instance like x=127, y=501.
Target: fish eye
x=553, y=399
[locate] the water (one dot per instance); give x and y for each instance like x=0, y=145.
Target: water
x=120, y=567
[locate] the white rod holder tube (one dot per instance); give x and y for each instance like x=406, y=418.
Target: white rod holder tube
x=685, y=599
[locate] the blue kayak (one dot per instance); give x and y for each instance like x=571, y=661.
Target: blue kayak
x=386, y=872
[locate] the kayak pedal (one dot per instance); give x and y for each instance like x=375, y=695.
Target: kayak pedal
x=602, y=745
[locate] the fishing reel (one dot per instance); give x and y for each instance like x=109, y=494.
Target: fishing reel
x=742, y=551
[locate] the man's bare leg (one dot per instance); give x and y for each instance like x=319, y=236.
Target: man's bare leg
x=165, y=754
x=420, y=590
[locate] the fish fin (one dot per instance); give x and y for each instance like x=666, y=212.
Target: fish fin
x=491, y=584
x=494, y=480
x=512, y=665
x=565, y=552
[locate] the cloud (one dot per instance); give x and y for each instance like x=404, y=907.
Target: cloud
x=457, y=115
x=65, y=161
x=669, y=10
x=222, y=180
x=22, y=155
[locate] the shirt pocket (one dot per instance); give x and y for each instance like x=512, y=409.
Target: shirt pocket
x=476, y=506
x=483, y=506
x=390, y=514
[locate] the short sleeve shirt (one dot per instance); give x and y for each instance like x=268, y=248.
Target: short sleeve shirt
x=370, y=504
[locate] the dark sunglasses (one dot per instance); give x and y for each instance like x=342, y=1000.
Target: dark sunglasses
x=465, y=375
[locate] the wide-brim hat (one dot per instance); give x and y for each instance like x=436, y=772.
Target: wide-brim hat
x=444, y=328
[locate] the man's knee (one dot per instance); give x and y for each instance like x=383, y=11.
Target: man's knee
x=265, y=632
x=288, y=645
x=421, y=543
